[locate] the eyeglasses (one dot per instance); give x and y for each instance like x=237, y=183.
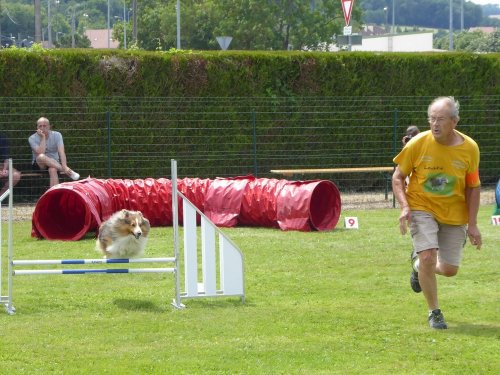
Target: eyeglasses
x=437, y=119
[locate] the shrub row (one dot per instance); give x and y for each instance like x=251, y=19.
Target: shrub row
x=102, y=73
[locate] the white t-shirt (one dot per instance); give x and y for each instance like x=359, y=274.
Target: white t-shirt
x=52, y=143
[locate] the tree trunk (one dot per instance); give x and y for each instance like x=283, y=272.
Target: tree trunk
x=134, y=12
x=286, y=42
x=38, y=21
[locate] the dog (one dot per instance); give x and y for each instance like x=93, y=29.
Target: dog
x=123, y=235
x=438, y=183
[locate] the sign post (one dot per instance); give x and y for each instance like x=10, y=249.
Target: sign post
x=347, y=6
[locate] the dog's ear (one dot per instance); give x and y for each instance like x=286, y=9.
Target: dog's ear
x=125, y=213
x=145, y=225
x=142, y=216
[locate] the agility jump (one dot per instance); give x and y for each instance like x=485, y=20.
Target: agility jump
x=229, y=281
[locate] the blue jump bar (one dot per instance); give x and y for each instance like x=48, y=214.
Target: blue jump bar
x=79, y=272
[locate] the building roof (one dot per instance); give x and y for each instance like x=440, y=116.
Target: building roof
x=98, y=38
x=484, y=29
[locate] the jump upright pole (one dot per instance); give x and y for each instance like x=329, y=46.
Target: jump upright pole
x=175, y=218
x=7, y=300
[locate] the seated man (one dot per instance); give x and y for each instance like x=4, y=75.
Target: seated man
x=48, y=152
x=4, y=172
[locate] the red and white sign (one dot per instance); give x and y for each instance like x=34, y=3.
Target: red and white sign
x=351, y=223
x=347, y=6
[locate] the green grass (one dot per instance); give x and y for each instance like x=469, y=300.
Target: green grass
x=316, y=303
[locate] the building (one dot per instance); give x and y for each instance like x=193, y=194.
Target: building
x=408, y=42
x=484, y=29
x=373, y=30
x=99, y=38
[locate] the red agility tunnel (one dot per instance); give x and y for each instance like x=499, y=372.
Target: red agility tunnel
x=70, y=210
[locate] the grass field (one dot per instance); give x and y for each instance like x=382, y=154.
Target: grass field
x=334, y=302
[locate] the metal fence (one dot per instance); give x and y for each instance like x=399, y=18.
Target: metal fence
x=131, y=138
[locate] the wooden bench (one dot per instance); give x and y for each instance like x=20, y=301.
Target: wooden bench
x=291, y=172
x=32, y=174
x=386, y=171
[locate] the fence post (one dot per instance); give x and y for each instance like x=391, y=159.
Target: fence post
x=395, y=145
x=254, y=126
x=7, y=300
x=108, y=124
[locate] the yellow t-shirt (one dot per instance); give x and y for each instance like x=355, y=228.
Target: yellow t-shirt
x=439, y=175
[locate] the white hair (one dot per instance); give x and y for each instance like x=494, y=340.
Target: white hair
x=453, y=104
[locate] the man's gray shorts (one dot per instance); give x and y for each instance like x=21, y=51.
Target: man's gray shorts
x=427, y=233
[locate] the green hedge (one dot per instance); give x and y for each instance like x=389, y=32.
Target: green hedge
x=101, y=73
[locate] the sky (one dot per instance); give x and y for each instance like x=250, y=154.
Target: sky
x=484, y=2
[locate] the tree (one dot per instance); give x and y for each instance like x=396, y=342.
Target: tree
x=425, y=13
x=296, y=23
x=475, y=41
x=491, y=9
x=376, y=11
x=16, y=19
x=157, y=24
x=253, y=24
x=66, y=41
x=492, y=42
x=38, y=21
x=160, y=21
x=281, y=24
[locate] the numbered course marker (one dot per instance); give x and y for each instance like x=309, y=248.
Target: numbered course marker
x=351, y=223
x=495, y=220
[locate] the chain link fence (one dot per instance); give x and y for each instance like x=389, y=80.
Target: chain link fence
x=129, y=138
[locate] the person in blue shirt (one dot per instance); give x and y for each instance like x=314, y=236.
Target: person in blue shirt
x=4, y=172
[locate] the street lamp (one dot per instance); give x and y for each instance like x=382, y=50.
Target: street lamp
x=73, y=27
x=393, y=16
x=109, y=36
x=49, y=22
x=131, y=10
x=450, y=47
x=178, y=11
x=462, y=16
x=124, y=26
x=386, y=21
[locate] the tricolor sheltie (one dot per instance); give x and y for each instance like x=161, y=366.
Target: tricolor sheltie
x=123, y=235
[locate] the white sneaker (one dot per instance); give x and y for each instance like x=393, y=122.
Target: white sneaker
x=74, y=176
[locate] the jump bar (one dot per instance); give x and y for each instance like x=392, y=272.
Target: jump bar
x=87, y=271
x=90, y=261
